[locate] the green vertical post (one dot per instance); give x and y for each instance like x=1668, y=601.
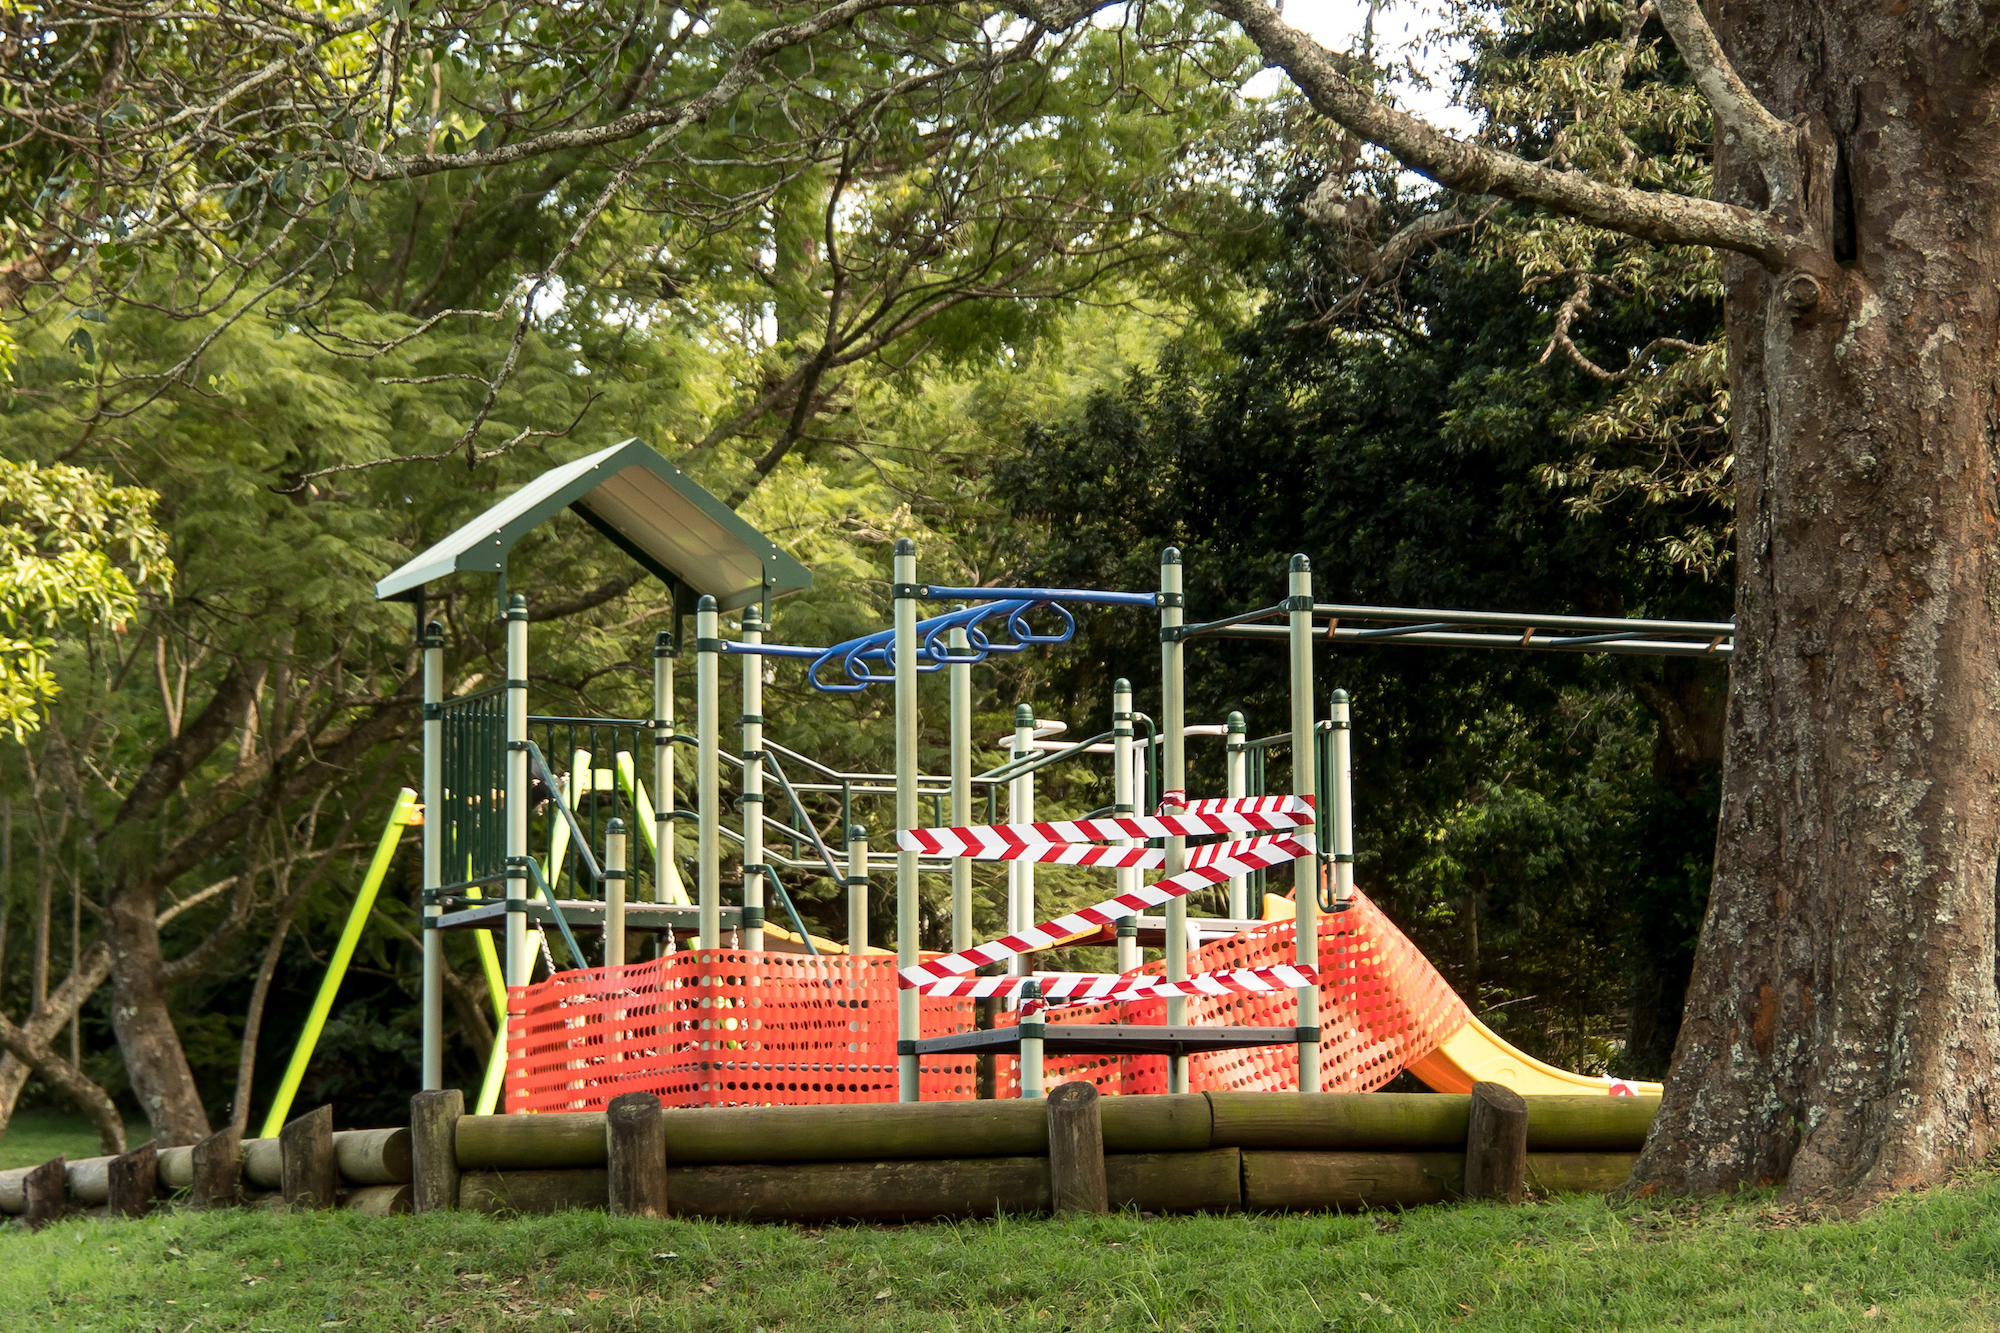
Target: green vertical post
x=1305, y=869
x=708, y=780
x=343, y=954
x=909, y=1014
x=1173, y=782
x=433, y=882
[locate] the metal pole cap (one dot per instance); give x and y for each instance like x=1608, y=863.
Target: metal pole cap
x=706, y=604
x=1234, y=724
x=1302, y=564
x=857, y=833
x=1024, y=716
x=904, y=546
x=517, y=607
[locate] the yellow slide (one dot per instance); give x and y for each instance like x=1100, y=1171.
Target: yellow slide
x=1476, y=1054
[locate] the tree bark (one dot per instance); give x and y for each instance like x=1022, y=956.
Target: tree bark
x=43, y=1025
x=144, y=1024
x=35, y=1054
x=1841, y=1028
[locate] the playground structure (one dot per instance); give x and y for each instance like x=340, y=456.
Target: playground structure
x=1333, y=997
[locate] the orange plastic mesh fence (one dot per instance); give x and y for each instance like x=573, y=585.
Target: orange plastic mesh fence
x=722, y=1027
x=725, y=1027
x=1382, y=1007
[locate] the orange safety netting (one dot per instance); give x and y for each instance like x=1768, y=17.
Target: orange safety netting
x=1382, y=1007
x=726, y=1027
x=722, y=1027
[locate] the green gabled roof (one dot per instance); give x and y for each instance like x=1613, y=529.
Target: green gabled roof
x=649, y=509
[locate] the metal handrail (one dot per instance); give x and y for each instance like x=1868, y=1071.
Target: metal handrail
x=1033, y=761
x=555, y=908
x=799, y=810
x=771, y=874
x=576, y=833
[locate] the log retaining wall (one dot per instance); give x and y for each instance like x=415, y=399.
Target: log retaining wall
x=1201, y=1152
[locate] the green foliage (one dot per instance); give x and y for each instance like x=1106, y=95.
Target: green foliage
x=1599, y=89
x=73, y=548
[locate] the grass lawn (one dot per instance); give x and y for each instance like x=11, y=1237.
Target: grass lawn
x=1929, y=1261
x=33, y=1136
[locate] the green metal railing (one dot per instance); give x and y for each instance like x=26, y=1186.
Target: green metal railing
x=475, y=784
x=584, y=756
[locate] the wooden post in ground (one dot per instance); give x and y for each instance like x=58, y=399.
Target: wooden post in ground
x=311, y=1176
x=1076, y=1150
x=135, y=1181
x=1496, y=1143
x=218, y=1170
x=434, y=1120
x=47, y=1188
x=635, y=1147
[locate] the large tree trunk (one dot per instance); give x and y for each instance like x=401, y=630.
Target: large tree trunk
x=1841, y=1027
x=144, y=1024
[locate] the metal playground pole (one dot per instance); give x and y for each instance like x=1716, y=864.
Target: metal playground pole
x=961, y=783
x=908, y=1013
x=857, y=890
x=1237, y=758
x=518, y=959
x=433, y=1018
x=1305, y=869
x=1123, y=802
x=666, y=864
x=1173, y=796
x=1021, y=810
x=1343, y=801
x=753, y=783
x=708, y=783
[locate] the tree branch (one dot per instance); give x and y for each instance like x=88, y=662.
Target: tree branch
x=1666, y=219
x=67, y=1079
x=1769, y=140
x=771, y=41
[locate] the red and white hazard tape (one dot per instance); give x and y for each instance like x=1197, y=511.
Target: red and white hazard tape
x=1013, y=842
x=1086, y=987
x=1111, y=858
x=1236, y=858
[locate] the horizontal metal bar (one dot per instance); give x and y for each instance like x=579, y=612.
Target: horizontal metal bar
x=1090, y=596
x=1339, y=611
x=1033, y=761
x=731, y=648
x=1513, y=642
x=1210, y=626
x=643, y=723
x=815, y=764
x=1398, y=631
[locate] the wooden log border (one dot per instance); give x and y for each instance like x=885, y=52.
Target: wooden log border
x=1201, y=1152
